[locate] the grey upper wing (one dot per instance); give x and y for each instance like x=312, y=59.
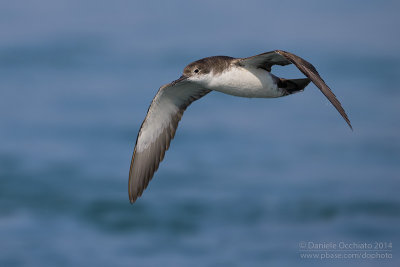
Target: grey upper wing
x=157, y=130
x=279, y=57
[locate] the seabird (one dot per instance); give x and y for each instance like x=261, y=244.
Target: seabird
x=244, y=77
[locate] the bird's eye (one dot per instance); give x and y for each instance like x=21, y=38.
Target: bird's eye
x=196, y=70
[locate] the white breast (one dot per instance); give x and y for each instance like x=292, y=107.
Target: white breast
x=244, y=82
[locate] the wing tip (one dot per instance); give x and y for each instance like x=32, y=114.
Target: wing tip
x=343, y=113
x=134, y=193
x=349, y=123
x=132, y=196
x=132, y=199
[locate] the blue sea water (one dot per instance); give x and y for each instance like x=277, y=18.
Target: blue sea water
x=245, y=182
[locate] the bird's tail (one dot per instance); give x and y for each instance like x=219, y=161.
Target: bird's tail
x=292, y=86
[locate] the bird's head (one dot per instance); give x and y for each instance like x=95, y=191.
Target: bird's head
x=196, y=69
x=199, y=71
x=196, y=72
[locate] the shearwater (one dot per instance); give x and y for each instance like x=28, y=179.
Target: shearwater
x=245, y=77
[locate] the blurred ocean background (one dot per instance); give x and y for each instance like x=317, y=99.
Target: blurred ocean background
x=245, y=180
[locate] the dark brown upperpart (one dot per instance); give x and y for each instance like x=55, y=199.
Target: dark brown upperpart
x=217, y=64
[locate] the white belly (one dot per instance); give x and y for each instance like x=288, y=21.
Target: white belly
x=244, y=82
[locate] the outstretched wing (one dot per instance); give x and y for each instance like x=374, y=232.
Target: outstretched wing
x=279, y=57
x=157, y=130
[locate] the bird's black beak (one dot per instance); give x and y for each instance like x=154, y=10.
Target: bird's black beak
x=181, y=79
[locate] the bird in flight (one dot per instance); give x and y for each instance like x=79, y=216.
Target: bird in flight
x=244, y=77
